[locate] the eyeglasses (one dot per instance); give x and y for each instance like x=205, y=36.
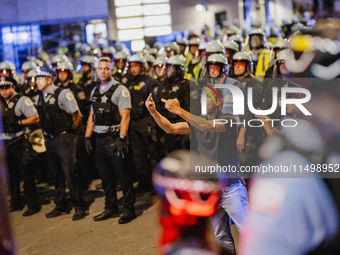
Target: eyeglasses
x=5, y=87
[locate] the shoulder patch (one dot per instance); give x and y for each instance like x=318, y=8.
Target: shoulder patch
x=125, y=93
x=69, y=96
x=81, y=95
x=124, y=80
x=267, y=197
x=28, y=102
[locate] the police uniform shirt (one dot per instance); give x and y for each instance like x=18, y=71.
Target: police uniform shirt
x=24, y=107
x=66, y=100
x=291, y=215
x=121, y=97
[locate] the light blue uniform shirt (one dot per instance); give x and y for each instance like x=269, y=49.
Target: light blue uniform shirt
x=121, y=97
x=66, y=100
x=289, y=215
x=25, y=107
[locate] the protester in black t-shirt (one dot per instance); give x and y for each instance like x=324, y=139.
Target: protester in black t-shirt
x=216, y=138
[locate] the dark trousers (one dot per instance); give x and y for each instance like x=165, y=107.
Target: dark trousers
x=176, y=142
x=20, y=159
x=61, y=157
x=110, y=166
x=140, y=145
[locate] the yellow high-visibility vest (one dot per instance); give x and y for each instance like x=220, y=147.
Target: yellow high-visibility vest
x=196, y=72
x=263, y=64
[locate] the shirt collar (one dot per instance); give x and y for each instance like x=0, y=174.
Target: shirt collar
x=51, y=92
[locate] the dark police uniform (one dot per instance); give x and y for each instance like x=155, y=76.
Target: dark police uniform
x=20, y=155
x=55, y=111
x=248, y=156
x=140, y=130
x=87, y=85
x=106, y=102
x=171, y=89
x=278, y=83
x=81, y=155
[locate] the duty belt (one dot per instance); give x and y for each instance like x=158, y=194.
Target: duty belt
x=114, y=129
x=14, y=140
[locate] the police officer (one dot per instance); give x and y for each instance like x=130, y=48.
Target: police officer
x=175, y=86
x=109, y=52
x=149, y=61
x=160, y=69
x=249, y=138
x=259, y=54
x=55, y=62
x=86, y=81
x=193, y=58
x=121, y=66
x=65, y=75
x=213, y=47
x=182, y=43
x=7, y=69
x=280, y=45
x=31, y=89
x=60, y=117
x=217, y=72
x=28, y=66
x=140, y=86
x=109, y=119
x=172, y=49
x=280, y=73
x=197, y=68
x=153, y=52
x=238, y=40
x=18, y=112
x=231, y=48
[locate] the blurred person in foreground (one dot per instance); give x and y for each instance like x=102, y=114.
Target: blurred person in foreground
x=299, y=214
x=184, y=210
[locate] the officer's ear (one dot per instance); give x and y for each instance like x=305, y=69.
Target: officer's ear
x=49, y=80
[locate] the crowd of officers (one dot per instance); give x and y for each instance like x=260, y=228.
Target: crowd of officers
x=101, y=122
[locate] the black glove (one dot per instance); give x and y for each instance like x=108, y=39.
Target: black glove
x=88, y=145
x=120, y=145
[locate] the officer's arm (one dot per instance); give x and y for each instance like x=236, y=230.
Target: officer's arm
x=30, y=120
x=89, y=127
x=173, y=106
x=76, y=118
x=124, y=122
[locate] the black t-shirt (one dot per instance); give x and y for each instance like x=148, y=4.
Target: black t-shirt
x=221, y=146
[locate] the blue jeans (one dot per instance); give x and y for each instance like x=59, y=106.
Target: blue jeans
x=234, y=205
